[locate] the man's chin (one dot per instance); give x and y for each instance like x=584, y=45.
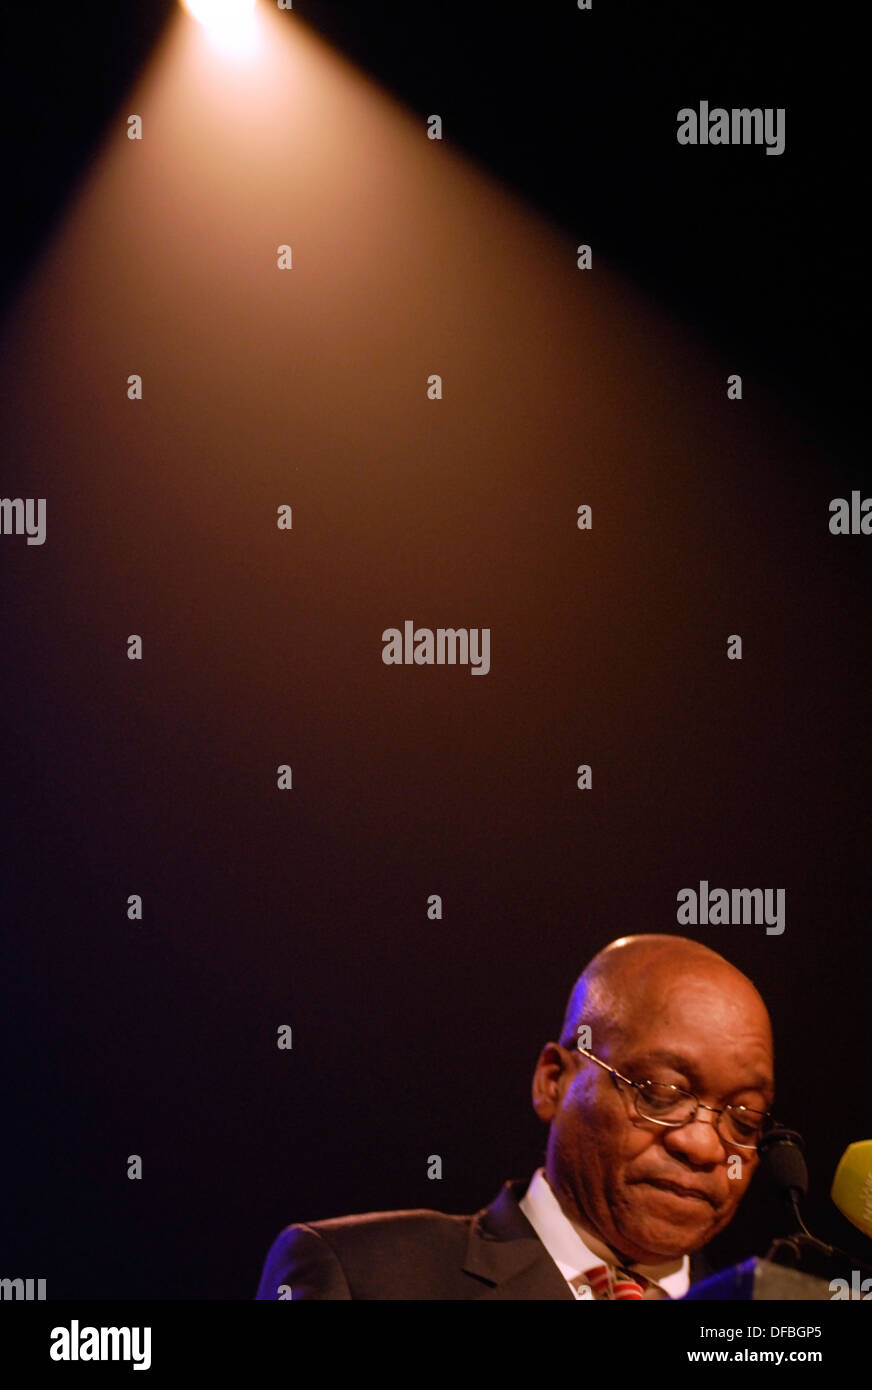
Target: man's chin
x=666, y=1237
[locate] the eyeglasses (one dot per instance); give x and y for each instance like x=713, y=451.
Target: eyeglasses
x=672, y=1107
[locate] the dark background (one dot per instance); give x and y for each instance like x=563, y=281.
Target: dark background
x=413, y=1037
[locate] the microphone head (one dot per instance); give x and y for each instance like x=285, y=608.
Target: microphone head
x=783, y=1152
x=852, y=1185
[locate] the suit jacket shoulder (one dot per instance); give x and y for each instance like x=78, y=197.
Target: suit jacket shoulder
x=384, y=1255
x=493, y=1254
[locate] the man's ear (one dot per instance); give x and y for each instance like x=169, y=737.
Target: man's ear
x=549, y=1081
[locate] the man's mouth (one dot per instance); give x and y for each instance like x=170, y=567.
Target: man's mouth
x=689, y=1194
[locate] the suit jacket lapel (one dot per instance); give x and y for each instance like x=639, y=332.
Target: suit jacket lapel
x=699, y=1267
x=504, y=1252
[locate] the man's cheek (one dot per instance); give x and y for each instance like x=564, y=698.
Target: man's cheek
x=740, y=1171
x=736, y=1190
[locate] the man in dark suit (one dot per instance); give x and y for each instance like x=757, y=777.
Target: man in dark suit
x=655, y=1097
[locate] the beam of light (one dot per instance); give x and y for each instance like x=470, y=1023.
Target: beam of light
x=264, y=386
x=231, y=25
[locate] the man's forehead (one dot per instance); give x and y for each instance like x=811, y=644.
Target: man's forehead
x=684, y=995
x=746, y=1063
x=672, y=996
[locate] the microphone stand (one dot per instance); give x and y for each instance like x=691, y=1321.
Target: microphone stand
x=802, y=1240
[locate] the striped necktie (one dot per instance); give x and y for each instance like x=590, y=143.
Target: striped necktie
x=614, y=1285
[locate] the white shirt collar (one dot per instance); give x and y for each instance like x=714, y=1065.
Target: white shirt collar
x=574, y=1249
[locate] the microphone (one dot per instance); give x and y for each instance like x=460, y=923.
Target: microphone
x=852, y=1185
x=783, y=1152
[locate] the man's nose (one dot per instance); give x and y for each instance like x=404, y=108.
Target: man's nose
x=700, y=1139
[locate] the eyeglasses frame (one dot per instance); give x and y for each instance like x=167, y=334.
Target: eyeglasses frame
x=765, y=1115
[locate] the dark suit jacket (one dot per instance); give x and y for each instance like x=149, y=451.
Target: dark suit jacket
x=420, y=1255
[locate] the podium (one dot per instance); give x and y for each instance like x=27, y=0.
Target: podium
x=761, y=1281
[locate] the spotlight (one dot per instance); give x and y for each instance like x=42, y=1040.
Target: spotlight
x=230, y=24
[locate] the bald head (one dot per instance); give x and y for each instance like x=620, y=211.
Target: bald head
x=627, y=977
x=669, y=1013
